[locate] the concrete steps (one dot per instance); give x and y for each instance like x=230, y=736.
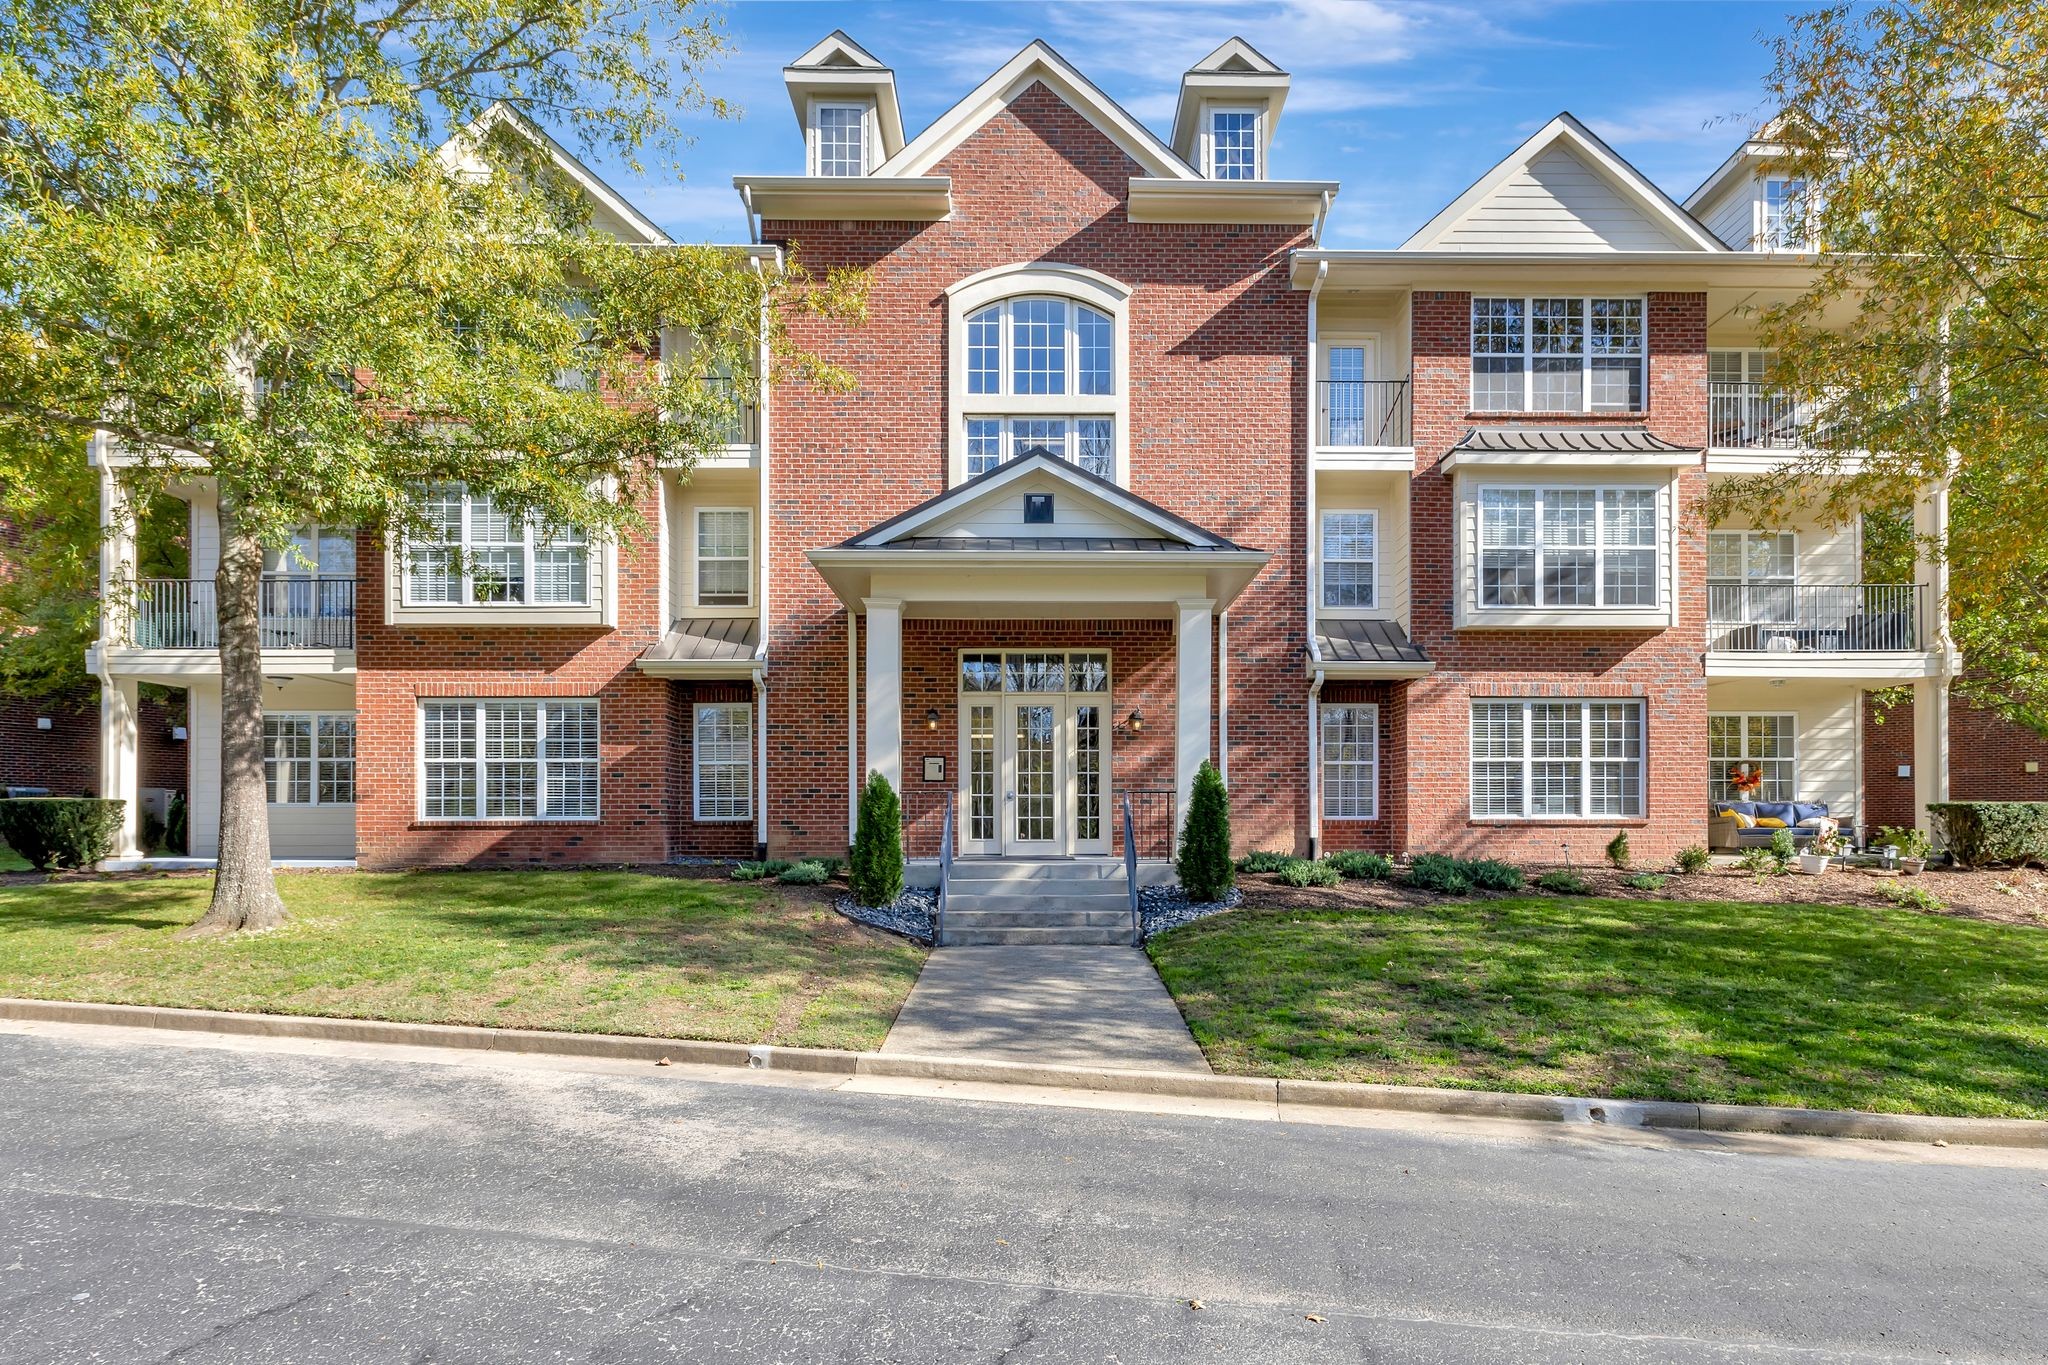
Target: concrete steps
x=1042, y=902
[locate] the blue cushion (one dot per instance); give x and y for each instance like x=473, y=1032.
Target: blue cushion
x=1809, y=810
x=1746, y=807
x=1779, y=810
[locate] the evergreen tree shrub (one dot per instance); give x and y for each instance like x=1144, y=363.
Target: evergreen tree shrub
x=876, y=870
x=60, y=831
x=1206, y=872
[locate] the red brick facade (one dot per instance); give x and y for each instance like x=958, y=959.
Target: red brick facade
x=1988, y=759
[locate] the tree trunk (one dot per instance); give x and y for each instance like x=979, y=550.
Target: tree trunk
x=244, y=892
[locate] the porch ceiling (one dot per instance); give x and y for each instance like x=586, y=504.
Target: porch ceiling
x=970, y=582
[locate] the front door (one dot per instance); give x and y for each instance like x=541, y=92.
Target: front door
x=1034, y=775
x=1034, y=753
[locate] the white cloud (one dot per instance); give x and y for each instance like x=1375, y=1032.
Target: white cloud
x=1719, y=117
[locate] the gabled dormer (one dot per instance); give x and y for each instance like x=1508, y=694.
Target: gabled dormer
x=1750, y=202
x=1229, y=106
x=467, y=153
x=845, y=101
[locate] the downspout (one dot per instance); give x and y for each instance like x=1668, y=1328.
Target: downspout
x=753, y=223
x=1308, y=540
x=1223, y=695
x=1315, y=231
x=1315, y=764
x=852, y=726
x=761, y=761
x=761, y=522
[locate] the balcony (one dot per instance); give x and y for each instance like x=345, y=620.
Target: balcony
x=1756, y=417
x=1833, y=618
x=1363, y=414
x=295, y=612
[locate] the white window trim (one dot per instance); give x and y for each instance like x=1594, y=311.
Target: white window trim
x=1585, y=761
x=1070, y=789
x=1747, y=534
x=1258, y=113
x=530, y=544
x=1323, y=607
x=1322, y=749
x=697, y=561
x=1528, y=356
x=1600, y=490
x=812, y=142
x=697, y=814
x=1769, y=236
x=1072, y=284
x=1468, y=614
x=316, y=717
x=1715, y=776
x=543, y=817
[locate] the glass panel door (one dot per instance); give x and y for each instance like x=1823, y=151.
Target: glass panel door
x=981, y=779
x=1090, y=828
x=1034, y=730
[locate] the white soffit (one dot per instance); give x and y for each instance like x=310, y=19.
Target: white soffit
x=1563, y=190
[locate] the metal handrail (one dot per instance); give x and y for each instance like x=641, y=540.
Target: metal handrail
x=1816, y=618
x=945, y=879
x=1752, y=416
x=1131, y=873
x=1364, y=412
x=294, y=611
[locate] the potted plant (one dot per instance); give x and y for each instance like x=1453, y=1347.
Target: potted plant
x=1819, y=850
x=1913, y=846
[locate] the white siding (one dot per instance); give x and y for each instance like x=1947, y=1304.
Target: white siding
x=1388, y=499
x=1830, y=737
x=1002, y=514
x=705, y=488
x=295, y=831
x=1731, y=216
x=1557, y=203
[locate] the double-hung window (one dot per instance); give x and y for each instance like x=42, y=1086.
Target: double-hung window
x=1784, y=219
x=1568, y=547
x=1039, y=348
x=722, y=751
x=725, y=556
x=1558, y=355
x=508, y=760
x=477, y=553
x=1351, y=761
x=839, y=139
x=309, y=759
x=1350, y=559
x=1543, y=759
x=1751, y=576
x=1763, y=744
x=1234, y=144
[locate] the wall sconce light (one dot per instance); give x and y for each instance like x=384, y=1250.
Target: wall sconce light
x=179, y=733
x=1136, y=724
x=43, y=722
x=931, y=718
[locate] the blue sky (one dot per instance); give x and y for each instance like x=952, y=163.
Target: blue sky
x=1404, y=103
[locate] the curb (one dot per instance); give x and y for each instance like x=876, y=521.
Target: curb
x=1413, y=1099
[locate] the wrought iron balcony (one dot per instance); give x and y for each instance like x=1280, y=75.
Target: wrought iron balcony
x=743, y=426
x=294, y=612
x=1757, y=417
x=1829, y=618
x=1363, y=413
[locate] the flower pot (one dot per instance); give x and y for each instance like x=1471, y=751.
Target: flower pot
x=1813, y=864
x=1913, y=866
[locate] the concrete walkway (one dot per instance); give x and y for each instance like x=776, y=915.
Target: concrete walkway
x=1072, y=1006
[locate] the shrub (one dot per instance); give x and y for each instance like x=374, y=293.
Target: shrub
x=1984, y=833
x=876, y=870
x=1911, y=897
x=1645, y=881
x=1360, y=865
x=1264, y=860
x=174, y=827
x=1302, y=872
x=1782, y=848
x=1563, y=882
x=804, y=874
x=1693, y=859
x=60, y=831
x=1758, y=863
x=1438, y=872
x=1908, y=840
x=1491, y=874
x=1204, y=865
x=153, y=832
x=833, y=866
x=754, y=872
x=1617, y=851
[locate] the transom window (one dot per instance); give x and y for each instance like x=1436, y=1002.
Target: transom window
x=1558, y=355
x=1557, y=759
x=1350, y=559
x=508, y=760
x=1234, y=144
x=1034, y=671
x=476, y=553
x=723, y=757
x=309, y=759
x=1751, y=575
x=841, y=138
x=725, y=556
x=1763, y=744
x=1351, y=760
x=1037, y=348
x=1089, y=442
x=1568, y=547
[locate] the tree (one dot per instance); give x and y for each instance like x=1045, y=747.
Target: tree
x=1203, y=863
x=1919, y=133
x=875, y=869
x=321, y=248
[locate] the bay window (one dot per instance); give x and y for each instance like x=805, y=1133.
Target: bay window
x=1542, y=759
x=476, y=553
x=1032, y=349
x=1568, y=547
x=508, y=760
x=309, y=759
x=722, y=755
x=1350, y=752
x=1763, y=744
x=1558, y=355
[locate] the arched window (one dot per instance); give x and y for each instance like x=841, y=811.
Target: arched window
x=1039, y=370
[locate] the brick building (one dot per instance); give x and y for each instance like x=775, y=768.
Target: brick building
x=1136, y=474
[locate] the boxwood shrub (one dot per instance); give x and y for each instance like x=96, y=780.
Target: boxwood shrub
x=1264, y=860
x=1302, y=872
x=1360, y=865
x=1438, y=872
x=1983, y=833
x=60, y=831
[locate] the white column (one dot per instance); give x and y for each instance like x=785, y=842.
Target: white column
x=885, y=688
x=1192, y=698
x=120, y=761
x=1930, y=746
x=1930, y=695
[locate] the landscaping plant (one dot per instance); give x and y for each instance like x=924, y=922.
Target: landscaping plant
x=1302, y=872
x=1645, y=881
x=1758, y=863
x=1438, y=872
x=1987, y=833
x=1361, y=866
x=1491, y=874
x=1908, y=840
x=1911, y=897
x=1264, y=860
x=1562, y=881
x=1204, y=865
x=876, y=871
x=1617, y=851
x=1782, y=848
x=60, y=831
x=1693, y=859
x=804, y=874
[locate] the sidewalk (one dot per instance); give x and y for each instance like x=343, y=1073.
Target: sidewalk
x=1061, y=1006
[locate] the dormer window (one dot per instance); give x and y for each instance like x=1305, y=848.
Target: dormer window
x=1233, y=144
x=1784, y=223
x=839, y=139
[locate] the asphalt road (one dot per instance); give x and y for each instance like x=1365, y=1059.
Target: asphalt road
x=179, y=1202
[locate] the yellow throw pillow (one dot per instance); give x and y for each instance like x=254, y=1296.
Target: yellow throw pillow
x=1741, y=821
x=1769, y=822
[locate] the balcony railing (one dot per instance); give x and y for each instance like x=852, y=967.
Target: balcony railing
x=1756, y=417
x=741, y=427
x=1831, y=618
x=1363, y=412
x=294, y=612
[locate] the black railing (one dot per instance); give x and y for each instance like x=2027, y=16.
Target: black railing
x=293, y=612
x=1756, y=417
x=1156, y=820
x=928, y=821
x=1828, y=618
x=1363, y=412
x=741, y=425
x=1131, y=874
x=945, y=879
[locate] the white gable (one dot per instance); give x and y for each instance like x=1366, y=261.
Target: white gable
x=1563, y=190
x=1001, y=513
x=610, y=212
x=992, y=504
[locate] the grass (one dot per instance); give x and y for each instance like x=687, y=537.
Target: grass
x=592, y=952
x=1744, y=1003
x=10, y=861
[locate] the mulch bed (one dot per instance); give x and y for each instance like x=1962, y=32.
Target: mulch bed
x=2006, y=895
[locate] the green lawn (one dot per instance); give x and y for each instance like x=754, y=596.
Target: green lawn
x=1739, y=1003
x=10, y=861
x=603, y=952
